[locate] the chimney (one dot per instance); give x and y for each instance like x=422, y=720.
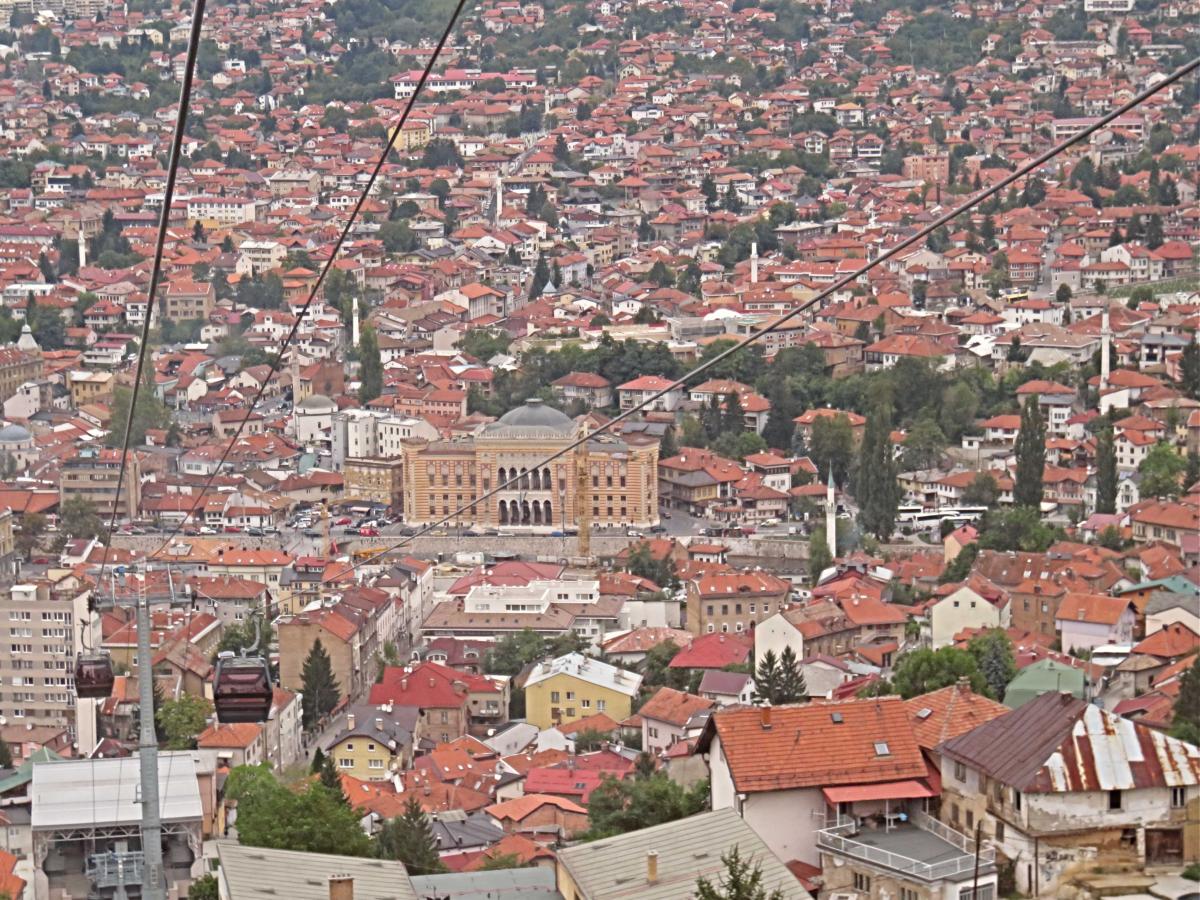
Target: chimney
x=350, y=720
x=379, y=724
x=651, y=867
x=341, y=887
x=764, y=713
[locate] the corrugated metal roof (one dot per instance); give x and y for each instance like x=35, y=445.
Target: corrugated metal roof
x=687, y=849
x=258, y=873
x=93, y=793
x=1058, y=744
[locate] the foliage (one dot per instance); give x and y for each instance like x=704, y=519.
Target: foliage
x=504, y=861
x=1031, y=456
x=1189, y=370
x=511, y=653
x=33, y=529
x=204, y=888
x=778, y=680
x=1186, y=723
x=180, y=721
x=656, y=667
x=924, y=670
x=409, y=838
x=320, y=689
x=370, y=370
x=311, y=820
x=1161, y=471
x=875, y=484
x=741, y=881
x=6, y=759
x=77, y=518
x=819, y=556
x=150, y=412
x=641, y=562
x=1018, y=528
x=619, y=806
x=1106, y=472
x=831, y=447
x=993, y=652
x=484, y=344
x=960, y=567
x=982, y=491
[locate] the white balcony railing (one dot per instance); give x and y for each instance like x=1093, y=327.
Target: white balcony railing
x=839, y=839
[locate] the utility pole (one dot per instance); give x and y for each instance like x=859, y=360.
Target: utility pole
x=152, y=884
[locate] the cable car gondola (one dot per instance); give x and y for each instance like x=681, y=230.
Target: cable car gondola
x=93, y=676
x=242, y=689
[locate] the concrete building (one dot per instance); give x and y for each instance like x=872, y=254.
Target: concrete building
x=574, y=687
x=37, y=662
x=92, y=474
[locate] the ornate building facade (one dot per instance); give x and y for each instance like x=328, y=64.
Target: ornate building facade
x=621, y=484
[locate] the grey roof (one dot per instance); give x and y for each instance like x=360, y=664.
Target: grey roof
x=393, y=729
x=14, y=434
x=453, y=830
x=534, y=414
x=687, y=849
x=717, y=682
x=91, y=793
x=257, y=873
x=499, y=884
x=316, y=403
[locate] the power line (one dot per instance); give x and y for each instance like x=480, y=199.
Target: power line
x=185, y=99
x=1175, y=76
x=341, y=240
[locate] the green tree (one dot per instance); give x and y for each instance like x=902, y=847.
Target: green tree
x=819, y=557
x=1192, y=475
x=370, y=369
x=204, y=888
x=641, y=562
x=875, y=486
x=993, y=652
x=180, y=721
x=792, y=688
x=511, y=653
x=656, y=667
x=1031, y=456
x=1189, y=370
x=541, y=277
x=310, y=821
x=1154, y=231
x=960, y=567
x=77, y=518
x=1162, y=470
x=982, y=491
x=924, y=670
x=150, y=412
x=1186, y=723
x=767, y=678
x=923, y=446
x=960, y=405
x=619, y=806
x=832, y=446
x=328, y=776
x=320, y=689
x=1019, y=528
x=6, y=759
x=409, y=838
x=1062, y=296
x=1106, y=472
x=742, y=880
x=33, y=529
x=503, y=861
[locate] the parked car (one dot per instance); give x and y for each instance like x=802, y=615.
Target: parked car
x=311, y=533
x=256, y=532
x=344, y=520
x=207, y=529
x=368, y=532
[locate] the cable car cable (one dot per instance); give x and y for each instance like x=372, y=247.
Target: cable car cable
x=277, y=362
x=1021, y=172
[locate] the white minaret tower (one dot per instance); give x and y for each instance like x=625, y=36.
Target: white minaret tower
x=82, y=247
x=830, y=518
x=754, y=262
x=354, y=324
x=1105, y=340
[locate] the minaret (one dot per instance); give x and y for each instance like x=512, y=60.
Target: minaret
x=754, y=262
x=830, y=519
x=354, y=324
x=499, y=200
x=1105, y=340
x=82, y=247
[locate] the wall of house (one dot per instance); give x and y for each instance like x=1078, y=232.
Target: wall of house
x=360, y=757
x=837, y=873
x=962, y=609
x=787, y=821
x=541, y=701
x=776, y=633
x=659, y=735
x=1160, y=620
x=1084, y=635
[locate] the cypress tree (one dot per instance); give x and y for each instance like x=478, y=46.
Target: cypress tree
x=875, y=484
x=735, y=417
x=370, y=366
x=792, y=688
x=409, y=838
x=1031, y=455
x=1106, y=472
x=767, y=678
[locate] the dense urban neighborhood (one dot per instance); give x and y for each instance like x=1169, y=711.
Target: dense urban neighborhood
x=589, y=457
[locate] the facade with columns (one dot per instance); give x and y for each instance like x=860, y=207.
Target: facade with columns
x=442, y=476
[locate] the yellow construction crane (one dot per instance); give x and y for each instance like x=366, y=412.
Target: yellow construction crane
x=583, y=502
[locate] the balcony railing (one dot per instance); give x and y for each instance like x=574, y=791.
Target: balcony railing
x=839, y=839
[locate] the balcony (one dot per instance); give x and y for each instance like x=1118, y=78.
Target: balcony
x=922, y=848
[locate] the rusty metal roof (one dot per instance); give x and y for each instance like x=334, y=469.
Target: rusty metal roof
x=1058, y=744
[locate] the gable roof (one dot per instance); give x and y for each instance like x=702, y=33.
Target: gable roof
x=817, y=744
x=949, y=712
x=1057, y=744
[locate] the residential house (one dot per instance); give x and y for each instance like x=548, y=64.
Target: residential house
x=372, y=743
x=669, y=716
x=574, y=686
x=1086, y=621
x=1060, y=782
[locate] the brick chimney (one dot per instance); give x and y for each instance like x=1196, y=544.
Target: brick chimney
x=341, y=887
